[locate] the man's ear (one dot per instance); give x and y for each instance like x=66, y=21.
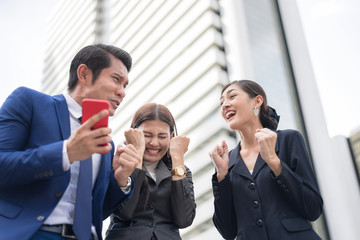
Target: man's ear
x=83, y=74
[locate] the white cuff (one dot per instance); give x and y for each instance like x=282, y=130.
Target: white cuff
x=65, y=158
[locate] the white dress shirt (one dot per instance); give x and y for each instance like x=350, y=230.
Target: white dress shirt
x=151, y=168
x=64, y=210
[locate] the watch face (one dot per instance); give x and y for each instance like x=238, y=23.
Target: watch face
x=180, y=171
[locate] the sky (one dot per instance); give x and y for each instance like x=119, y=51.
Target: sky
x=23, y=29
x=331, y=29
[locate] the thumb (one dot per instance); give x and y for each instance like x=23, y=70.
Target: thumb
x=120, y=150
x=225, y=146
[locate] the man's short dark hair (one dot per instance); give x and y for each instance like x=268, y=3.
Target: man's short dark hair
x=96, y=58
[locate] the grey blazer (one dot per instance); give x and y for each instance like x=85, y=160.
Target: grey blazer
x=156, y=208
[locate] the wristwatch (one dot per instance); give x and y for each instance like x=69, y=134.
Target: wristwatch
x=127, y=188
x=178, y=171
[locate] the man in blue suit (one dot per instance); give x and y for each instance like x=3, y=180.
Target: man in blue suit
x=45, y=154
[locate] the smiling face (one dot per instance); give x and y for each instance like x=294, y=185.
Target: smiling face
x=237, y=107
x=110, y=84
x=157, y=139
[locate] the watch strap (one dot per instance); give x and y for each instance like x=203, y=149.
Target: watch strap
x=127, y=188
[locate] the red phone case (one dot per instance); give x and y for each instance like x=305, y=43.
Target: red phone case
x=93, y=106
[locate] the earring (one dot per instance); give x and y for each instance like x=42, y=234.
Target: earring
x=256, y=110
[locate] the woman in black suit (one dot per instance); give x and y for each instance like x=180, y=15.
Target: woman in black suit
x=163, y=198
x=264, y=188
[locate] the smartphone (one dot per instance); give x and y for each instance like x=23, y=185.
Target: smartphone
x=93, y=106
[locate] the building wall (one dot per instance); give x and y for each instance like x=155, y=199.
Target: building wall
x=72, y=27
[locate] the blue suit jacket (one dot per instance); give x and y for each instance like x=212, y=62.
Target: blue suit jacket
x=262, y=206
x=33, y=127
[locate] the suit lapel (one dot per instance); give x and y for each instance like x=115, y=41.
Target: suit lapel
x=259, y=164
x=62, y=112
x=237, y=164
x=162, y=172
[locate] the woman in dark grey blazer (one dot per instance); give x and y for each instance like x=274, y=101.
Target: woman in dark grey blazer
x=264, y=188
x=163, y=198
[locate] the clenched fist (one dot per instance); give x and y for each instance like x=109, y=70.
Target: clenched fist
x=220, y=157
x=267, y=141
x=125, y=161
x=178, y=148
x=136, y=138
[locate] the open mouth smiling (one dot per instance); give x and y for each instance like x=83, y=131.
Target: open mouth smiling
x=153, y=151
x=229, y=114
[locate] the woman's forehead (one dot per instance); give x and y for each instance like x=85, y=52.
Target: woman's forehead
x=230, y=89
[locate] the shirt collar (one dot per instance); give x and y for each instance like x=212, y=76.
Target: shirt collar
x=74, y=108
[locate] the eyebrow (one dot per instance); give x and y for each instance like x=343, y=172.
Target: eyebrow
x=118, y=75
x=227, y=93
x=121, y=78
x=163, y=133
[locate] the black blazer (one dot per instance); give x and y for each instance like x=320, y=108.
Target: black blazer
x=159, y=208
x=262, y=206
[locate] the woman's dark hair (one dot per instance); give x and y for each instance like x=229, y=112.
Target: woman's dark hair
x=268, y=115
x=153, y=111
x=96, y=58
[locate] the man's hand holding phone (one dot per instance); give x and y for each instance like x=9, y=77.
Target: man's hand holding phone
x=93, y=135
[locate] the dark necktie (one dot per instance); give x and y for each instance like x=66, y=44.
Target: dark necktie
x=83, y=204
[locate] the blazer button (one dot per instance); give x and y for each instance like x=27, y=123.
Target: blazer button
x=58, y=194
x=252, y=186
x=151, y=225
x=256, y=204
x=40, y=218
x=215, y=188
x=259, y=222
